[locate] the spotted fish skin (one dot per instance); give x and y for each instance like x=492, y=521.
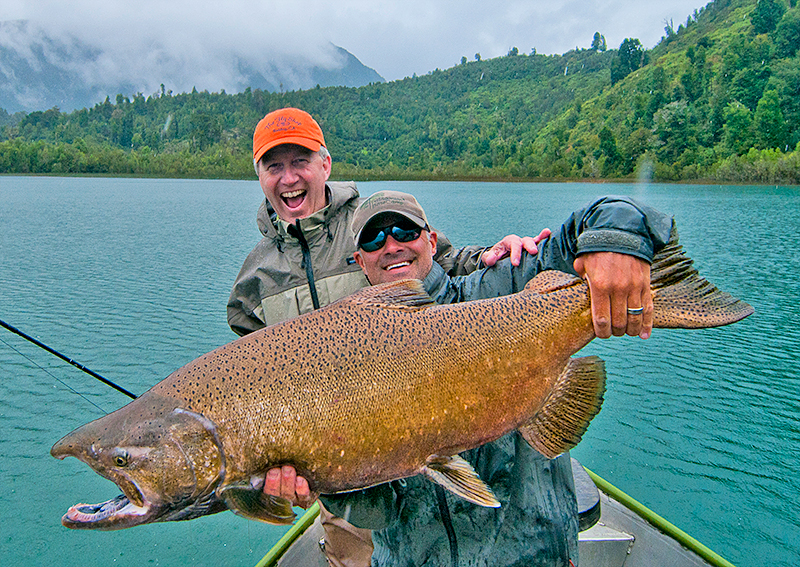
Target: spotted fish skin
x=365, y=390
x=378, y=386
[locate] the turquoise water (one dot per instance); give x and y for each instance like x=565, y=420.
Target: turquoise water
x=130, y=277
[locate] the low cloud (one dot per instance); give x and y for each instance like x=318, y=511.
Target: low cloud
x=200, y=43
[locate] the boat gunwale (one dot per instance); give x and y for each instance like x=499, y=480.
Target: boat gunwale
x=658, y=522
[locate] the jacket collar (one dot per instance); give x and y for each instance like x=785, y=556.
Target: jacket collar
x=308, y=224
x=435, y=281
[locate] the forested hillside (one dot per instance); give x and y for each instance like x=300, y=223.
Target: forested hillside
x=717, y=99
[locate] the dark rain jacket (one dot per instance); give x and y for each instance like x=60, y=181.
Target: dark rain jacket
x=295, y=269
x=537, y=523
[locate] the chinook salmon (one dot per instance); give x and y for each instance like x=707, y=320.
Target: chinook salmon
x=378, y=386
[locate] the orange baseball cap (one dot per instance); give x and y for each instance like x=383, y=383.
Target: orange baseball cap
x=286, y=126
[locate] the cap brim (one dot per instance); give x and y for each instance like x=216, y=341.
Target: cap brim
x=413, y=218
x=312, y=145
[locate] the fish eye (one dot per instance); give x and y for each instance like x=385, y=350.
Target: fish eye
x=120, y=457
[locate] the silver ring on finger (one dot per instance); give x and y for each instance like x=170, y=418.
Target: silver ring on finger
x=636, y=311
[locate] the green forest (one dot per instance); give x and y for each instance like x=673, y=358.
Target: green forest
x=717, y=100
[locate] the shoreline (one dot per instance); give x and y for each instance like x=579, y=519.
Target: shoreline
x=431, y=178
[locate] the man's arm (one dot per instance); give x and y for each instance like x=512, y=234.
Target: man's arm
x=372, y=508
x=610, y=242
x=284, y=482
x=245, y=297
x=466, y=260
x=240, y=322
x=512, y=246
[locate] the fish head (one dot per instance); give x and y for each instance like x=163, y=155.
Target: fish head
x=166, y=460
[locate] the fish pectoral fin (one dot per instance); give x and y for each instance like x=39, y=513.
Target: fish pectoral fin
x=457, y=475
x=576, y=398
x=252, y=503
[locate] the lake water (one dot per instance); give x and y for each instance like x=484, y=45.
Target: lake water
x=130, y=277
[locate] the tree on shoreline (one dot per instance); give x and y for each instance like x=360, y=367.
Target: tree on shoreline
x=710, y=94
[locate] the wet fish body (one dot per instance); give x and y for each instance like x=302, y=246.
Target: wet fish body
x=379, y=386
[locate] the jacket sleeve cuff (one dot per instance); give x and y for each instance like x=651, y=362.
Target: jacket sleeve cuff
x=609, y=240
x=241, y=324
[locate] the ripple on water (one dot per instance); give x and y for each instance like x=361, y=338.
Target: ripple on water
x=131, y=277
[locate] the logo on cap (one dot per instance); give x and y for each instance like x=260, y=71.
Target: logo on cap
x=286, y=126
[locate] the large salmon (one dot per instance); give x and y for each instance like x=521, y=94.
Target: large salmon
x=378, y=386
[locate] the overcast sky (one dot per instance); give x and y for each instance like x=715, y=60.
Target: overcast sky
x=396, y=38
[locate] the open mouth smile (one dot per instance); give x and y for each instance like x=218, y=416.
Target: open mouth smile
x=294, y=199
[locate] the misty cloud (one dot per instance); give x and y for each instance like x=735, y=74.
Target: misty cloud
x=205, y=43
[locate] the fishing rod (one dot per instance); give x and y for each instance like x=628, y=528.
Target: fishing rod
x=77, y=365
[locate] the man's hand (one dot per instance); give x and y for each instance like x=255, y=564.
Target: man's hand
x=513, y=245
x=617, y=283
x=284, y=482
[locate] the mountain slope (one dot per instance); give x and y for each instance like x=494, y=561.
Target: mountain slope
x=712, y=90
x=39, y=71
x=718, y=98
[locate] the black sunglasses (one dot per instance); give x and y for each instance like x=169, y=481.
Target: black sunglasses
x=369, y=243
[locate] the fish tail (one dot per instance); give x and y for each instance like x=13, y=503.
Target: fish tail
x=683, y=299
x=576, y=398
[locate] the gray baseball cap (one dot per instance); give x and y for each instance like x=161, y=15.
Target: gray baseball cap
x=387, y=202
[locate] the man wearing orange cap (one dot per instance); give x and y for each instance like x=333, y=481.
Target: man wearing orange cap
x=305, y=261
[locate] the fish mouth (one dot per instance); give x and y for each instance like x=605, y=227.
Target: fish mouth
x=128, y=509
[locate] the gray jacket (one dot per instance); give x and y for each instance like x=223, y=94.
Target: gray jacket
x=537, y=524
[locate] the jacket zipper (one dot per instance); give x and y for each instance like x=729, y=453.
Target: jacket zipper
x=444, y=512
x=312, y=286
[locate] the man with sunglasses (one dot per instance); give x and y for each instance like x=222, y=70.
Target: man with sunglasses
x=305, y=260
x=610, y=243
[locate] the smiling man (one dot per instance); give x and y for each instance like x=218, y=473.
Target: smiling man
x=303, y=260
x=611, y=243
x=292, y=163
x=405, y=254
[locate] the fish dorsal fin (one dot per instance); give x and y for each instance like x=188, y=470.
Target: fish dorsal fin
x=457, y=475
x=550, y=281
x=245, y=500
x=402, y=294
x=576, y=398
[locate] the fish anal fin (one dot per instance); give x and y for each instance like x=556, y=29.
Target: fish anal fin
x=457, y=475
x=402, y=294
x=550, y=281
x=249, y=502
x=576, y=398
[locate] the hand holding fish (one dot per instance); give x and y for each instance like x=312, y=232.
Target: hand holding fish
x=618, y=283
x=284, y=482
x=512, y=245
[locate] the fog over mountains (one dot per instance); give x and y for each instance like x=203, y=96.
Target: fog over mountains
x=41, y=68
